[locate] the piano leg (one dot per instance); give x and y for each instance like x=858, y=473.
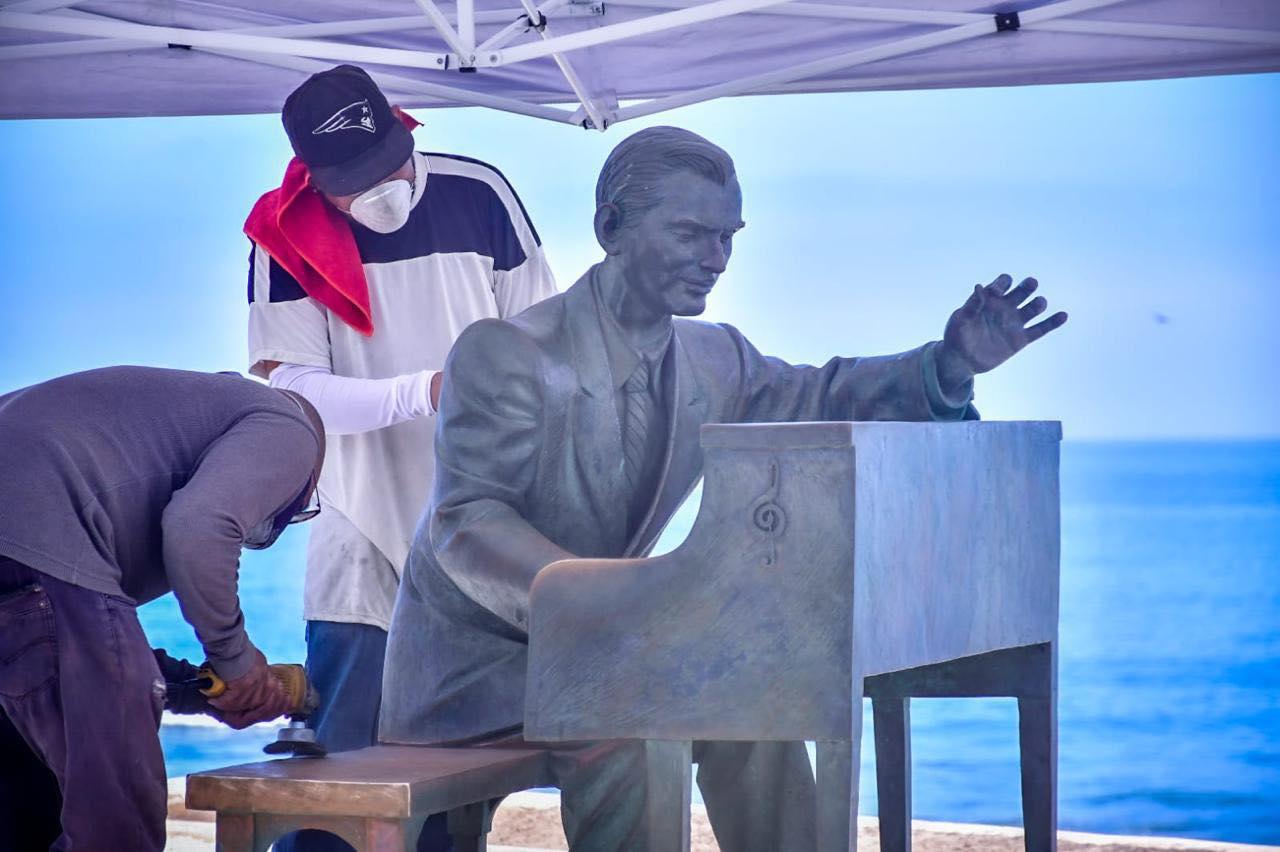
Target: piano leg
x=837, y=775
x=670, y=760
x=1038, y=739
x=892, y=719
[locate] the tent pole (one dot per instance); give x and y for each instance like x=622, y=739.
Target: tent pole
x=700, y=13
x=522, y=23
x=833, y=12
x=110, y=28
x=326, y=28
x=990, y=77
x=467, y=25
x=1178, y=32
x=442, y=25
x=408, y=85
x=295, y=46
x=243, y=46
x=566, y=68
x=79, y=47
x=373, y=25
x=828, y=11
x=852, y=59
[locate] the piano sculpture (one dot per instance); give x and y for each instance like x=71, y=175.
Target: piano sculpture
x=828, y=561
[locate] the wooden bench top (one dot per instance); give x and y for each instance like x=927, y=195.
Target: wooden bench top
x=388, y=782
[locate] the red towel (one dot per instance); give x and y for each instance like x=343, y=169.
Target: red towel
x=312, y=241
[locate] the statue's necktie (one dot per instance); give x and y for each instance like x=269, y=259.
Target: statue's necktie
x=635, y=428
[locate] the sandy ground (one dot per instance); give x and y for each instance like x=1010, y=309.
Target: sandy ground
x=530, y=822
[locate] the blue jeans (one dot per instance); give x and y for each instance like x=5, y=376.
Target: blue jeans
x=344, y=663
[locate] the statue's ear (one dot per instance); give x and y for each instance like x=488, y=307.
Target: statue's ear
x=608, y=224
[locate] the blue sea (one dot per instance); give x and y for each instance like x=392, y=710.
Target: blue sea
x=1169, y=667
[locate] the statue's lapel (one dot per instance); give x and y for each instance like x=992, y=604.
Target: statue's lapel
x=593, y=418
x=687, y=404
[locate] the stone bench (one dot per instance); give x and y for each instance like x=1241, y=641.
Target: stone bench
x=376, y=798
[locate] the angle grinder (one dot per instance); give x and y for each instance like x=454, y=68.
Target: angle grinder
x=188, y=688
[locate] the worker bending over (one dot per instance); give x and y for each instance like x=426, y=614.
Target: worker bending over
x=117, y=486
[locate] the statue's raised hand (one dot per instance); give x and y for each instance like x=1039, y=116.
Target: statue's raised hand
x=990, y=328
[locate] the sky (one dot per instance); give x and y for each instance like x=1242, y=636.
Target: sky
x=1149, y=211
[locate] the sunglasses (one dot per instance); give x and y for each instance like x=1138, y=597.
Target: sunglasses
x=310, y=510
x=265, y=534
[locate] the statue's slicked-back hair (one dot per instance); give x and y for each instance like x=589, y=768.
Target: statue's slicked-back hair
x=630, y=176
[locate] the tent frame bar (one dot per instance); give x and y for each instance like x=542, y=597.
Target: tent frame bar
x=359, y=26
x=864, y=56
x=661, y=22
x=539, y=21
x=394, y=84
x=294, y=46
x=830, y=11
x=224, y=40
x=522, y=24
x=294, y=36
x=445, y=29
x=467, y=25
x=1030, y=19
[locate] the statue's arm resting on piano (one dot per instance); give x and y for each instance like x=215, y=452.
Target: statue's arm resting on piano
x=487, y=445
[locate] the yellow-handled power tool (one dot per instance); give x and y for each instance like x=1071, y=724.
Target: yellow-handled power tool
x=295, y=738
x=291, y=676
x=188, y=688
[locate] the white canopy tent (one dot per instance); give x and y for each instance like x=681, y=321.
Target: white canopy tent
x=609, y=60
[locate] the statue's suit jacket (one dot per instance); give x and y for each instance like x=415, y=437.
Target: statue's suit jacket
x=529, y=471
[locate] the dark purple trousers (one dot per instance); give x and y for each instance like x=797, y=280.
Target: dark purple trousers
x=81, y=693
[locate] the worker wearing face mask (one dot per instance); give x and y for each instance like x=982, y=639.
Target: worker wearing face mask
x=366, y=264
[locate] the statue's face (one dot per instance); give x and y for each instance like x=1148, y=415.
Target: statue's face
x=672, y=257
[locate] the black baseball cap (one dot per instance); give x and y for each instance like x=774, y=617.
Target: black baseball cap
x=342, y=127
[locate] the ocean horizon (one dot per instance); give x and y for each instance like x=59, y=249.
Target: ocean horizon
x=1169, y=709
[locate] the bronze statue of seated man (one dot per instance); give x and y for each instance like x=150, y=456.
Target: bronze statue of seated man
x=571, y=430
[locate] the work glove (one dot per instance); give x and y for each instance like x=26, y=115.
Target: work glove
x=255, y=696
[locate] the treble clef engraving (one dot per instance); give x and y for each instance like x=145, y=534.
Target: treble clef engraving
x=768, y=517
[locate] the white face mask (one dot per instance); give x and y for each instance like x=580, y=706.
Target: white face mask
x=385, y=207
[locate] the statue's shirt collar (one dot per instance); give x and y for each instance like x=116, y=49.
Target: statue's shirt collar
x=623, y=357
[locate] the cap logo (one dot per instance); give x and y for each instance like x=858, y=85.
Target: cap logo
x=356, y=116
